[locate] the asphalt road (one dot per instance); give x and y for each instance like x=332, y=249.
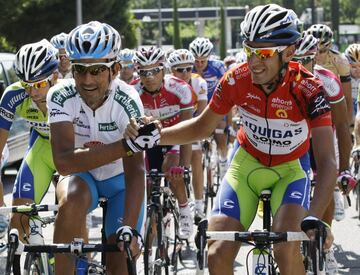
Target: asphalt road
x=346, y=245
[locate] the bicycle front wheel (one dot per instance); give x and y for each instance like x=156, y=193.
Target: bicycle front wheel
x=154, y=251
x=34, y=265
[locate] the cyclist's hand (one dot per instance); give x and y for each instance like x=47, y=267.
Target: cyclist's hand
x=310, y=225
x=175, y=173
x=132, y=129
x=131, y=237
x=346, y=182
x=148, y=136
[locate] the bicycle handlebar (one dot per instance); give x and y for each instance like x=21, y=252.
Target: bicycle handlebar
x=28, y=208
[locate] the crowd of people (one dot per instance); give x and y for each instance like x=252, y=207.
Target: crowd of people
x=101, y=116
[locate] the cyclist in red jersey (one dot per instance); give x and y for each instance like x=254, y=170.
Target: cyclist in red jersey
x=281, y=104
x=170, y=100
x=181, y=63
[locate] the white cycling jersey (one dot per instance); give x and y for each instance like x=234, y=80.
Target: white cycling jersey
x=200, y=87
x=93, y=128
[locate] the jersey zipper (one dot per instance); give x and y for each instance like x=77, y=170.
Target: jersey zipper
x=267, y=128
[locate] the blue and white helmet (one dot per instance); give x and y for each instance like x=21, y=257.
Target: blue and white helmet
x=126, y=55
x=93, y=40
x=59, y=40
x=36, y=61
x=272, y=24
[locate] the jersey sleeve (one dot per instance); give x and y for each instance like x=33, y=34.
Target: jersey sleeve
x=13, y=97
x=331, y=83
x=343, y=67
x=202, y=92
x=318, y=107
x=59, y=104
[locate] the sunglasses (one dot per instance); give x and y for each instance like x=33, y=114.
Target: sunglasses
x=183, y=69
x=324, y=50
x=127, y=66
x=36, y=85
x=150, y=72
x=92, y=68
x=262, y=53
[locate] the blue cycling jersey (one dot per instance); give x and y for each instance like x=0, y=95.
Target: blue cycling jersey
x=212, y=74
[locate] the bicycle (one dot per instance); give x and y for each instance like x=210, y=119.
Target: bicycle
x=162, y=218
x=262, y=241
x=212, y=175
x=35, y=263
x=355, y=171
x=77, y=247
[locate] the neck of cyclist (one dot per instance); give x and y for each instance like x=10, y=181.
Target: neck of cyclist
x=155, y=91
x=278, y=78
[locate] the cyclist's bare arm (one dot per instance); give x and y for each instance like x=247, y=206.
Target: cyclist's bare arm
x=201, y=105
x=69, y=160
x=346, y=86
x=324, y=153
x=134, y=171
x=191, y=130
x=340, y=120
x=185, y=150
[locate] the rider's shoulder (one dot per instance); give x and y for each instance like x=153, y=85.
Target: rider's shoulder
x=62, y=91
x=14, y=89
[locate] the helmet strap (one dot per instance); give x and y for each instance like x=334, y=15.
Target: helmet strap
x=272, y=84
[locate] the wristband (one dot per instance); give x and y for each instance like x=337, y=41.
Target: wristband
x=127, y=149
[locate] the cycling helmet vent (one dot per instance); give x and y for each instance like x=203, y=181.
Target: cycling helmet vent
x=36, y=61
x=270, y=24
x=93, y=40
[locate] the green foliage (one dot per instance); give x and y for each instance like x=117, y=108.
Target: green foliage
x=26, y=21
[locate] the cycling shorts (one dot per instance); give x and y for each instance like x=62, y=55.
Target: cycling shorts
x=239, y=192
x=114, y=190
x=36, y=170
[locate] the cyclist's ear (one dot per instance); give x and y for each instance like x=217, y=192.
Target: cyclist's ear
x=115, y=68
x=288, y=53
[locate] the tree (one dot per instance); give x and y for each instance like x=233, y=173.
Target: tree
x=222, y=32
x=176, y=36
x=26, y=21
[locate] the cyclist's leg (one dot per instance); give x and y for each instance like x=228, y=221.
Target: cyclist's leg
x=114, y=190
x=197, y=179
x=77, y=195
x=177, y=187
x=290, y=201
x=234, y=209
x=33, y=179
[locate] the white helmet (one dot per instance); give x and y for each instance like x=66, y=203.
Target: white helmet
x=59, y=40
x=126, y=55
x=201, y=47
x=307, y=45
x=181, y=56
x=149, y=56
x=270, y=24
x=93, y=40
x=323, y=33
x=36, y=61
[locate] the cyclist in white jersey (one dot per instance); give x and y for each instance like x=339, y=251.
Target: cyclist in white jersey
x=4, y=221
x=59, y=42
x=181, y=63
x=88, y=115
x=352, y=53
